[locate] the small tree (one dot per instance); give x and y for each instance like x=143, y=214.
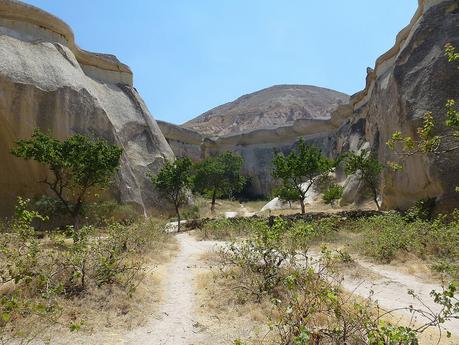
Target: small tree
x=79, y=165
x=303, y=166
x=428, y=139
x=333, y=194
x=286, y=193
x=219, y=176
x=367, y=169
x=174, y=181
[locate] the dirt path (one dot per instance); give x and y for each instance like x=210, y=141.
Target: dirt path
x=175, y=324
x=389, y=287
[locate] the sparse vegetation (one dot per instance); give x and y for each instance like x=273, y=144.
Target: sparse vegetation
x=38, y=277
x=309, y=304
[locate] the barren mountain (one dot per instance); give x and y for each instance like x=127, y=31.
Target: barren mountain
x=268, y=108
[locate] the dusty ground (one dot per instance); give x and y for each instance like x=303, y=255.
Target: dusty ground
x=186, y=307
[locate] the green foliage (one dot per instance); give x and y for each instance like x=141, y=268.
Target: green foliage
x=386, y=236
x=219, y=176
x=368, y=170
x=303, y=165
x=174, y=182
x=422, y=210
x=333, y=194
x=450, y=52
x=230, y=228
x=79, y=165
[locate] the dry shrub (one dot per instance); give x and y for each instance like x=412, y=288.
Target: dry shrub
x=60, y=279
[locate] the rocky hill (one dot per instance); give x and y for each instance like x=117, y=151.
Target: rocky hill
x=47, y=81
x=272, y=107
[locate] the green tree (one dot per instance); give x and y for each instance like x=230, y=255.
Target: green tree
x=332, y=194
x=79, y=166
x=174, y=182
x=298, y=170
x=219, y=176
x=367, y=169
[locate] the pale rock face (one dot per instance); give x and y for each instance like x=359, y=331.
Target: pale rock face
x=277, y=204
x=411, y=79
x=49, y=83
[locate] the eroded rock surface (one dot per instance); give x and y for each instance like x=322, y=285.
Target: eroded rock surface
x=273, y=107
x=46, y=81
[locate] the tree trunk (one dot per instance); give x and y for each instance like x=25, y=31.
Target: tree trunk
x=178, y=218
x=76, y=216
x=303, y=210
x=375, y=199
x=212, y=205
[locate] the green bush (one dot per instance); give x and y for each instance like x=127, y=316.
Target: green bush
x=333, y=194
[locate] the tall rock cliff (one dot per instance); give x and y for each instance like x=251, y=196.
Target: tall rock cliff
x=46, y=81
x=412, y=78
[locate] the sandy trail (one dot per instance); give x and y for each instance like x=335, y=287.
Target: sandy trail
x=391, y=291
x=175, y=324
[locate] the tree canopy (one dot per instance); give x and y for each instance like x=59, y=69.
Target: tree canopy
x=78, y=165
x=367, y=169
x=298, y=171
x=219, y=176
x=174, y=182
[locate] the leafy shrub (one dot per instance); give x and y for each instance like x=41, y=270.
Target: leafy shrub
x=422, y=209
x=333, y=194
x=230, y=228
x=107, y=212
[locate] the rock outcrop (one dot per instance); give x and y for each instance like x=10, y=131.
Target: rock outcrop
x=273, y=107
x=412, y=78
x=46, y=81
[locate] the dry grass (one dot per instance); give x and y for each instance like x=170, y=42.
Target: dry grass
x=109, y=309
x=225, y=316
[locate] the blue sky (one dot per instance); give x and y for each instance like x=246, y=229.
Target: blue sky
x=189, y=56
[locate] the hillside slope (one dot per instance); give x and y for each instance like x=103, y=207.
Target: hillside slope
x=272, y=107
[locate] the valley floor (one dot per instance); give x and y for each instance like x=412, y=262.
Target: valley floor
x=184, y=318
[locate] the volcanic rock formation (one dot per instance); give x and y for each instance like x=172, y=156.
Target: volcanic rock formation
x=46, y=81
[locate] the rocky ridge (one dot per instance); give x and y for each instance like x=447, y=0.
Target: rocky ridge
x=279, y=105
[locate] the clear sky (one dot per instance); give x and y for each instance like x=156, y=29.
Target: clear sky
x=189, y=56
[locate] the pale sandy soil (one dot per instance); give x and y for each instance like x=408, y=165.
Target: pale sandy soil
x=183, y=313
